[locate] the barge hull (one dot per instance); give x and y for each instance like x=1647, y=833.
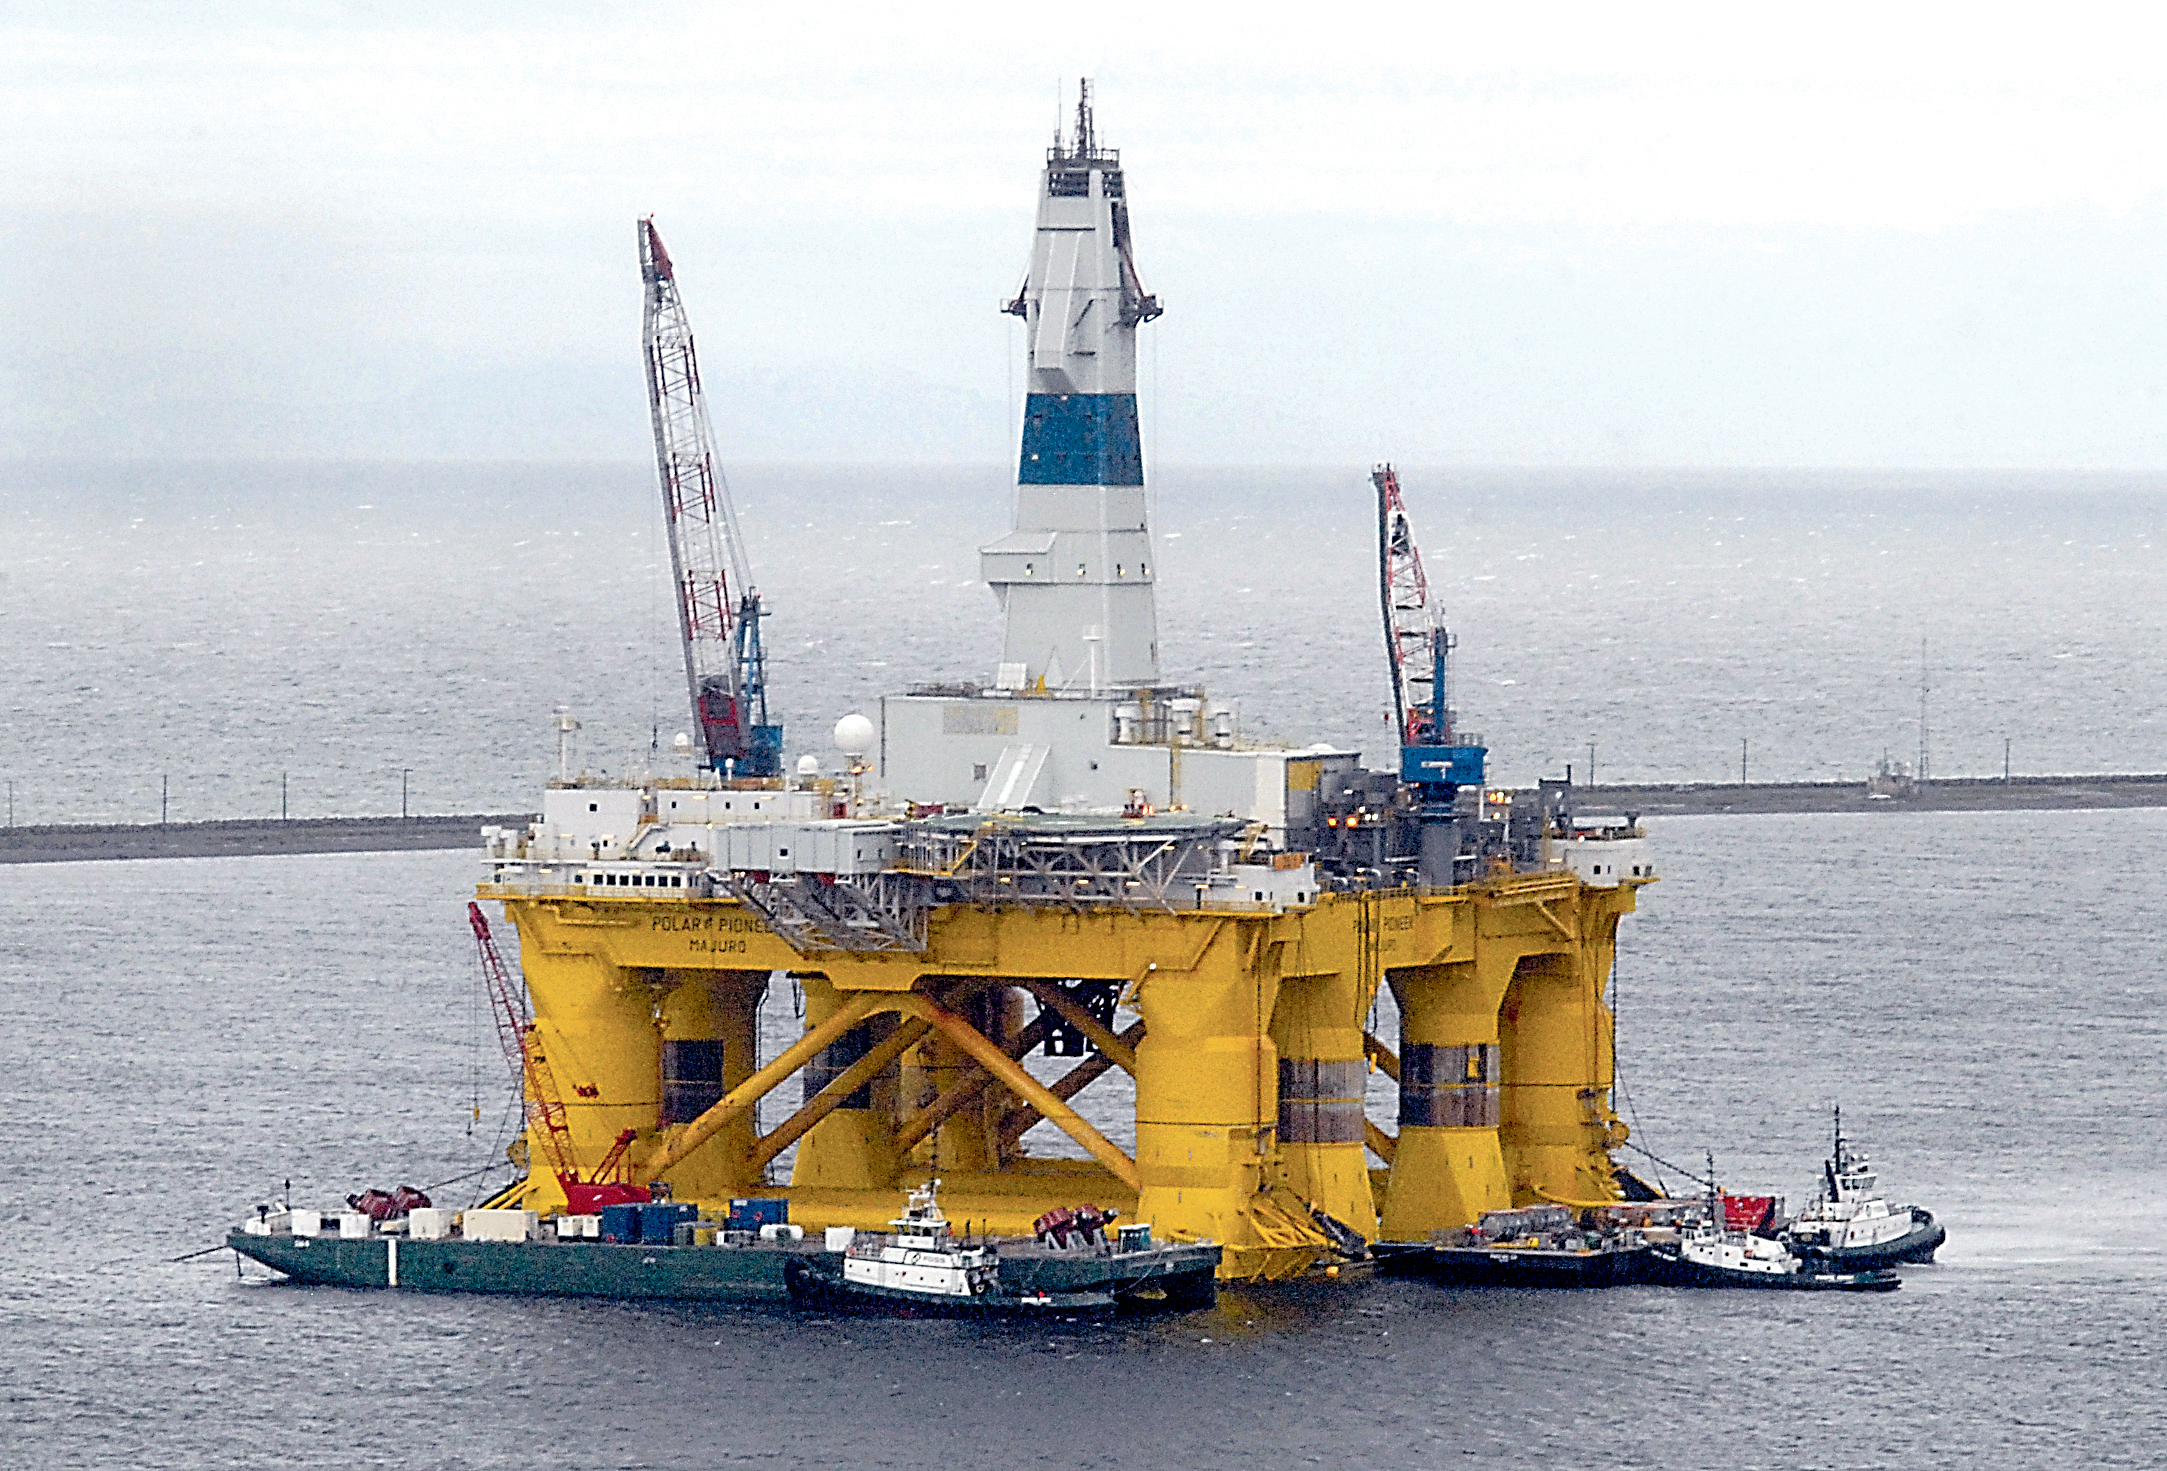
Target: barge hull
x=1491, y=1267
x=531, y=1269
x=1185, y=1275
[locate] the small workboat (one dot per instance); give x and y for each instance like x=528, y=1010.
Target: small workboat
x=1710, y=1252
x=1849, y=1227
x=1078, y=1266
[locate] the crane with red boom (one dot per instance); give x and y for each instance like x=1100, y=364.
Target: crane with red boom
x=718, y=612
x=1434, y=760
x=1415, y=637
x=543, y=1104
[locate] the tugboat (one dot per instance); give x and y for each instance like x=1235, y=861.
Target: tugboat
x=921, y=1268
x=1850, y=1227
x=1535, y=1246
x=1710, y=1253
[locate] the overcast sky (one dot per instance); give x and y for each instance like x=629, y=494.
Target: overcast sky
x=1558, y=235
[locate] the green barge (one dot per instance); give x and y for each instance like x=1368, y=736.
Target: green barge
x=1171, y=1275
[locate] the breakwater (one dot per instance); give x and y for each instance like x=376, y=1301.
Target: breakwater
x=245, y=836
x=1960, y=794
x=238, y=837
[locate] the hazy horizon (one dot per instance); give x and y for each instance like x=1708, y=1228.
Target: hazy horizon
x=1698, y=239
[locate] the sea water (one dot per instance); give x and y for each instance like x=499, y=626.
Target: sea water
x=178, y=1038
x=225, y=639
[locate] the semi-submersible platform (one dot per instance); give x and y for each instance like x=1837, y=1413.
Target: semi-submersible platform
x=1076, y=857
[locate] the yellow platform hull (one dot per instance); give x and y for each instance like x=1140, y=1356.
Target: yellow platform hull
x=1245, y=1033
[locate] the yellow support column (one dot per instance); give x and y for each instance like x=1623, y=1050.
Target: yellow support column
x=1555, y=1044
x=1448, y=1167
x=1317, y=1029
x=1207, y=1079
x=708, y=1022
x=850, y=1148
x=594, y=1023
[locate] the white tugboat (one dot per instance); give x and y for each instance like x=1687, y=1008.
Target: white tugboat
x=923, y=1258
x=921, y=1268
x=1708, y=1253
x=1849, y=1227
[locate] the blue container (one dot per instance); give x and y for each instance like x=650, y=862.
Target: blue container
x=658, y=1221
x=751, y=1215
x=621, y=1223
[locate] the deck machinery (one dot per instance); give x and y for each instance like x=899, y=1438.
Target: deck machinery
x=1080, y=858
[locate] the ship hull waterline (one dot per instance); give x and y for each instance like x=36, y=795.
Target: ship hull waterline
x=1672, y=1271
x=1915, y=1247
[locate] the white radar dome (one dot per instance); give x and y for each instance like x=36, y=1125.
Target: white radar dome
x=808, y=765
x=854, y=735
x=682, y=745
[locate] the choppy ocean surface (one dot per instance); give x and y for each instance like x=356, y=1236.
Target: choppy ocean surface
x=1982, y=992
x=223, y=626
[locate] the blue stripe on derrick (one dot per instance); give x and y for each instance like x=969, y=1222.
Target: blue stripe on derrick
x=1081, y=439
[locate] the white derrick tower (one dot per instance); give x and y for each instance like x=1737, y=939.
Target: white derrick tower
x=1074, y=577
x=1077, y=720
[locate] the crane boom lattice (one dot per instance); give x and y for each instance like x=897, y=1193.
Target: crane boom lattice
x=1416, y=640
x=718, y=612
x=542, y=1105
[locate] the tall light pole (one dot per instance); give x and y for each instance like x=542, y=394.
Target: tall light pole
x=1924, y=689
x=404, y=772
x=1741, y=760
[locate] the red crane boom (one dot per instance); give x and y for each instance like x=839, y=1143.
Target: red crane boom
x=718, y=612
x=541, y=1103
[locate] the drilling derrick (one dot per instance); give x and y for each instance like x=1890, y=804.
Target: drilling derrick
x=1433, y=761
x=718, y=612
x=1074, y=576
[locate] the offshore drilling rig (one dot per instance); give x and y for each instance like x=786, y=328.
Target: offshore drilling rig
x=1076, y=857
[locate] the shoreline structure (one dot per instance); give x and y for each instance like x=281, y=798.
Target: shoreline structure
x=252, y=837
x=243, y=837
